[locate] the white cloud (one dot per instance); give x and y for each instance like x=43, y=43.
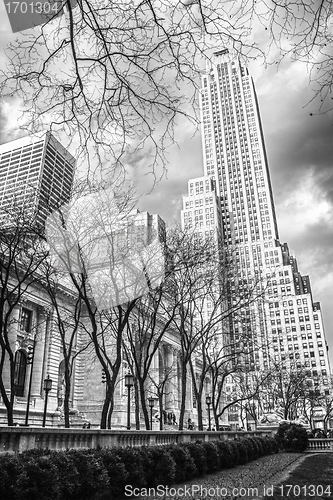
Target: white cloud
x=304, y=207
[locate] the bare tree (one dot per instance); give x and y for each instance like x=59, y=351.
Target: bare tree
x=303, y=32
x=21, y=255
x=316, y=400
x=222, y=306
x=233, y=383
x=161, y=386
x=288, y=386
x=145, y=332
x=69, y=314
x=189, y=260
x=110, y=265
x=113, y=75
x=327, y=405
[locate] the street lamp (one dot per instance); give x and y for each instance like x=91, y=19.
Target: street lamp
x=47, y=389
x=208, y=403
x=151, y=402
x=129, y=382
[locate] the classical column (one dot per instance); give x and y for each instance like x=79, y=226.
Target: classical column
x=189, y=392
x=177, y=379
x=170, y=385
x=13, y=327
x=155, y=368
x=42, y=323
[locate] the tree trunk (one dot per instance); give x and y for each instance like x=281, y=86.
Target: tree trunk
x=111, y=405
x=137, y=406
x=105, y=409
x=67, y=394
x=143, y=403
x=9, y=403
x=160, y=400
x=183, y=398
x=199, y=410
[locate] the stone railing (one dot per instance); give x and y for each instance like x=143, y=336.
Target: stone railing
x=17, y=439
x=320, y=444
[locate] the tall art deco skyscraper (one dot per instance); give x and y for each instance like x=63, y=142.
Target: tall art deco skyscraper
x=285, y=323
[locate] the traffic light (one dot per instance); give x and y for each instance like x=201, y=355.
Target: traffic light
x=103, y=376
x=30, y=355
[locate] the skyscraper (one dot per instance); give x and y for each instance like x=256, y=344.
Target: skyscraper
x=36, y=175
x=285, y=322
x=235, y=155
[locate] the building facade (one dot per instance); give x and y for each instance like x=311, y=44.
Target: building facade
x=286, y=323
x=36, y=175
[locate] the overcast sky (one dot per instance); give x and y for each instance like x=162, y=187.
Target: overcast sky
x=300, y=155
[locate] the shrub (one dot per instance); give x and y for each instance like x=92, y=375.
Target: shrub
x=269, y=445
x=252, y=448
x=147, y=462
x=292, y=437
x=226, y=454
x=164, y=466
x=93, y=476
x=279, y=436
x=243, y=456
x=260, y=446
x=102, y=474
x=10, y=467
x=275, y=446
x=67, y=472
x=213, y=457
x=185, y=466
x=234, y=453
x=199, y=456
x=134, y=463
x=38, y=479
x=116, y=471
x=35, y=453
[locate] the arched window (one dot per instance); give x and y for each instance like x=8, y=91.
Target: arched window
x=20, y=372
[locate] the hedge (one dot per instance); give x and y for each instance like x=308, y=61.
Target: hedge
x=102, y=474
x=292, y=437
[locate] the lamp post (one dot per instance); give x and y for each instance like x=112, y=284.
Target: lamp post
x=47, y=389
x=30, y=361
x=129, y=382
x=151, y=402
x=208, y=403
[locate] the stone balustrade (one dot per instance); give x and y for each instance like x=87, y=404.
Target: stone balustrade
x=320, y=444
x=17, y=439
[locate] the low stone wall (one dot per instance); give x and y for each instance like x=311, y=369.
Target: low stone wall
x=17, y=439
x=320, y=444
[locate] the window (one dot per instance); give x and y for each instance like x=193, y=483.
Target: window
x=20, y=367
x=26, y=317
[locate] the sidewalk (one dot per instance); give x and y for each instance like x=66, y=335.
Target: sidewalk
x=247, y=482
x=310, y=478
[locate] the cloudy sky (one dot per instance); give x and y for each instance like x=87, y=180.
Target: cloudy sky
x=299, y=144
